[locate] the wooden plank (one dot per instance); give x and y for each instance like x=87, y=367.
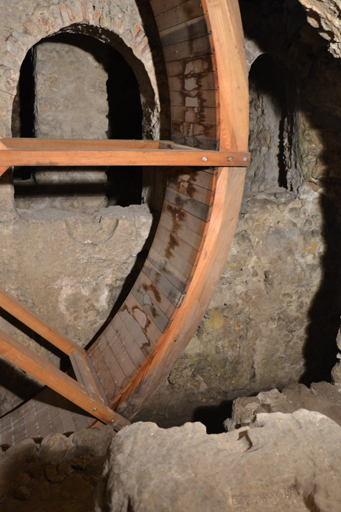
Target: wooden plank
x=169, y=144
x=83, y=373
x=110, y=382
x=194, y=99
x=193, y=177
x=150, y=306
x=121, y=354
x=184, y=32
x=66, y=415
x=156, y=294
x=186, y=187
x=203, y=130
x=18, y=143
x=179, y=14
x=182, y=231
x=97, y=383
x=3, y=147
x=53, y=414
x=192, y=83
x=174, y=255
x=130, y=344
x=225, y=21
x=146, y=323
x=195, y=48
x=113, y=364
x=181, y=217
x=194, y=114
x=45, y=372
x=143, y=342
x=192, y=66
x=163, y=284
x=197, y=142
x=3, y=170
x=193, y=192
x=34, y=322
x=187, y=204
x=173, y=275
x=176, y=244
x=138, y=157
x=32, y=422
x=160, y=6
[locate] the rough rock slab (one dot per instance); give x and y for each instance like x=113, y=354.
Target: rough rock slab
x=288, y=462
x=321, y=397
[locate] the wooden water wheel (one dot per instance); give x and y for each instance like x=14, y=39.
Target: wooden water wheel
x=139, y=346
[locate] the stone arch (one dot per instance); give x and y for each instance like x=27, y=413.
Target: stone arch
x=119, y=24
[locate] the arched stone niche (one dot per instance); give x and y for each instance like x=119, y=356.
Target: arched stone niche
x=117, y=23
x=73, y=86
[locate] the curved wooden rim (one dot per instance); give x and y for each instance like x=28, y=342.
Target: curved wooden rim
x=157, y=325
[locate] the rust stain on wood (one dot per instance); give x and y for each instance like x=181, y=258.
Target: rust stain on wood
x=152, y=288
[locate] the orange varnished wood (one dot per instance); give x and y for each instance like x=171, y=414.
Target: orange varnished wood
x=182, y=231
x=132, y=157
x=153, y=290
x=227, y=35
x=161, y=281
x=174, y=243
x=179, y=14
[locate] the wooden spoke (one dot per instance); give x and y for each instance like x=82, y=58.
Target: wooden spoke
x=45, y=372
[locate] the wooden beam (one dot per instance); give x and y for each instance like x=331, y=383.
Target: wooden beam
x=84, y=375
x=34, y=322
x=45, y=372
x=134, y=157
x=19, y=143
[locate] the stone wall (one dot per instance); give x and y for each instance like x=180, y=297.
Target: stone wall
x=70, y=270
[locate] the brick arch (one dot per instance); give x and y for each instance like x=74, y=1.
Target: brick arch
x=115, y=24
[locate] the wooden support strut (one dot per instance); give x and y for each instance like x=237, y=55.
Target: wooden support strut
x=53, y=153
x=45, y=372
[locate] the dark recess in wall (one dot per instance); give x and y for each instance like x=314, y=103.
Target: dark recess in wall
x=124, y=186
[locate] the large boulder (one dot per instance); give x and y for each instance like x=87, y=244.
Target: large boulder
x=288, y=462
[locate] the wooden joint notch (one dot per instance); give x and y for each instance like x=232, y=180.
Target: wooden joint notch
x=48, y=374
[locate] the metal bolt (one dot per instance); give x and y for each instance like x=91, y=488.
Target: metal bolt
x=245, y=159
x=204, y=159
x=230, y=158
x=94, y=409
x=112, y=421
